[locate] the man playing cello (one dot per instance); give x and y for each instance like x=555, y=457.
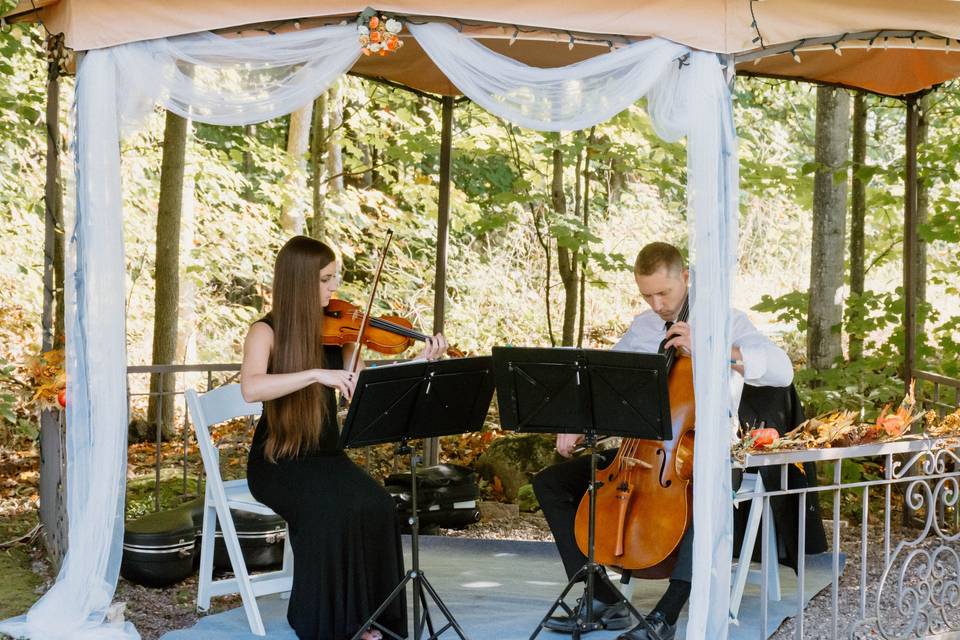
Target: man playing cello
x=662, y=279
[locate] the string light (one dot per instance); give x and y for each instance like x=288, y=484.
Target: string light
x=513, y=38
x=946, y=47
x=796, y=56
x=755, y=26
x=836, y=49
x=570, y=45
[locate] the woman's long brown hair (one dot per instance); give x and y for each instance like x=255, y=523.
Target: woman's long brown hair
x=295, y=420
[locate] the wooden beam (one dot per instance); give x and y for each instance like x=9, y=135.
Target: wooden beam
x=443, y=213
x=27, y=10
x=910, y=242
x=432, y=445
x=53, y=512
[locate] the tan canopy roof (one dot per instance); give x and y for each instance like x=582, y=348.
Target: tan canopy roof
x=915, y=33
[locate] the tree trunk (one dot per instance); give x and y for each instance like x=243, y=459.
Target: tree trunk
x=53, y=510
x=334, y=159
x=825, y=311
x=566, y=259
x=167, y=271
x=187, y=333
x=293, y=214
x=318, y=135
x=250, y=132
x=586, y=225
x=858, y=211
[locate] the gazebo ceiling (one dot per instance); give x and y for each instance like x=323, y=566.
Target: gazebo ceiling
x=763, y=34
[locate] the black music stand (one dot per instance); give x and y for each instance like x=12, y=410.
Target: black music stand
x=593, y=392
x=404, y=402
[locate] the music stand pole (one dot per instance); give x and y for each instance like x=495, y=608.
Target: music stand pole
x=588, y=392
x=420, y=582
x=591, y=571
x=411, y=402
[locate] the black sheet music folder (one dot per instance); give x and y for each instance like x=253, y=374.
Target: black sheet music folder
x=563, y=390
x=418, y=400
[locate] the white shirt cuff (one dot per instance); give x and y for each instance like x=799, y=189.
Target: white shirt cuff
x=754, y=362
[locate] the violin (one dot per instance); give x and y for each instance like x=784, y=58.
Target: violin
x=386, y=334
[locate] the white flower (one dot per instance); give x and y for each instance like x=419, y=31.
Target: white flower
x=394, y=26
x=374, y=47
x=363, y=30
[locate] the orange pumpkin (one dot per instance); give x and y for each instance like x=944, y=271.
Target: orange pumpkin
x=763, y=438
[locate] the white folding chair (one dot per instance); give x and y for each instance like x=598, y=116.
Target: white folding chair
x=214, y=407
x=753, y=484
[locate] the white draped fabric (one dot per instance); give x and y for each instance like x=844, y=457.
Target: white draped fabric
x=234, y=81
x=577, y=96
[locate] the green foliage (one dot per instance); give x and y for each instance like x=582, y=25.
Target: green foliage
x=790, y=308
x=8, y=401
x=502, y=222
x=141, y=495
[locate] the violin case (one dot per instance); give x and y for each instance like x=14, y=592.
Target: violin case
x=160, y=548
x=261, y=541
x=447, y=496
x=163, y=548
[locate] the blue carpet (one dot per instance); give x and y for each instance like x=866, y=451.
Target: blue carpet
x=500, y=590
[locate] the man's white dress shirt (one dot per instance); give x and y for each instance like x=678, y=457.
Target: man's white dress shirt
x=764, y=363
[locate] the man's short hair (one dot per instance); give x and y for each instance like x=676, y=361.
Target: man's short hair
x=656, y=255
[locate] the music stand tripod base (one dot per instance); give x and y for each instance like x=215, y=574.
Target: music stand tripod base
x=421, y=586
x=400, y=403
x=590, y=392
x=589, y=573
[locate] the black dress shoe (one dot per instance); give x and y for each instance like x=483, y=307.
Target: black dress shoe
x=655, y=621
x=614, y=616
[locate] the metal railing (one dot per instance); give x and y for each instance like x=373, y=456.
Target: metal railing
x=207, y=375
x=944, y=392
x=914, y=590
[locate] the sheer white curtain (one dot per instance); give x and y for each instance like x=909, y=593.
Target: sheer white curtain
x=211, y=79
x=231, y=81
x=577, y=96
x=238, y=81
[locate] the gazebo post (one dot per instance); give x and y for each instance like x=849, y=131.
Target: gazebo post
x=52, y=474
x=910, y=242
x=432, y=445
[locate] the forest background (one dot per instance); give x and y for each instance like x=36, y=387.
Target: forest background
x=544, y=227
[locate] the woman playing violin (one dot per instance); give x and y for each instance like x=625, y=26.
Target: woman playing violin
x=343, y=525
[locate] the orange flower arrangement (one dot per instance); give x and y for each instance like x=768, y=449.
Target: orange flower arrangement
x=48, y=379
x=378, y=34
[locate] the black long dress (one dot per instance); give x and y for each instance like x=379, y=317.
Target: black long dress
x=343, y=530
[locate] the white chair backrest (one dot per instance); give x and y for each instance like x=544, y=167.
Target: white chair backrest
x=214, y=407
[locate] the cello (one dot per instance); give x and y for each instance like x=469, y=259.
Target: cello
x=645, y=495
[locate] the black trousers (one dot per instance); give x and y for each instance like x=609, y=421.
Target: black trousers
x=559, y=489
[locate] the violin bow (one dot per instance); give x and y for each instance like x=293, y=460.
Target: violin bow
x=355, y=358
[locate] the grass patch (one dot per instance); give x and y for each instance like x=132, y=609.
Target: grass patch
x=141, y=492
x=19, y=583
